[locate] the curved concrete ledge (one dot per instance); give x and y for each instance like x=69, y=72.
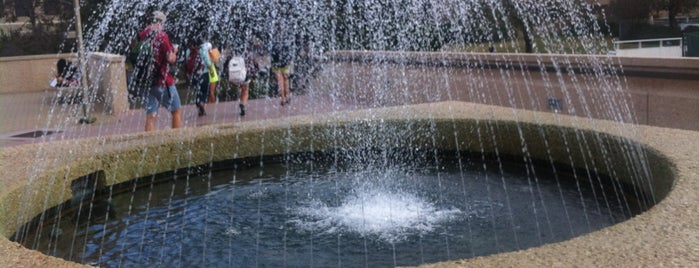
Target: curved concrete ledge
x=667, y=234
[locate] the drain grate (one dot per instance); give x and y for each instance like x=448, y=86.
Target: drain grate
x=35, y=134
x=555, y=104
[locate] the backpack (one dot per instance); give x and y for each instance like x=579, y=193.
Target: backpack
x=140, y=49
x=214, y=55
x=236, y=70
x=281, y=53
x=142, y=60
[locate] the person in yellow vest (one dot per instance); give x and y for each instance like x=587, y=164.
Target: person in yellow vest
x=215, y=57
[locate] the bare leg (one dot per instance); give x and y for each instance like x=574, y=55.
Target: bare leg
x=150, y=121
x=212, y=92
x=244, y=93
x=243, y=97
x=280, y=85
x=287, y=93
x=177, y=118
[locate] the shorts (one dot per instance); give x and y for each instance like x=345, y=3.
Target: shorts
x=282, y=69
x=163, y=96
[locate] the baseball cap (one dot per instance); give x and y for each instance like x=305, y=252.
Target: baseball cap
x=159, y=15
x=207, y=46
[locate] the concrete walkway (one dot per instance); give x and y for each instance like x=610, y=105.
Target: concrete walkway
x=34, y=117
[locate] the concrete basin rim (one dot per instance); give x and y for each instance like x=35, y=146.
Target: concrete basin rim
x=654, y=147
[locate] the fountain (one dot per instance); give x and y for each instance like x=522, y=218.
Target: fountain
x=431, y=126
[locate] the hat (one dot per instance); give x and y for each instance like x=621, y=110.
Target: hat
x=159, y=15
x=207, y=46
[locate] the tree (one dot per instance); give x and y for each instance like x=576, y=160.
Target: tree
x=630, y=18
x=45, y=30
x=674, y=8
x=519, y=24
x=630, y=10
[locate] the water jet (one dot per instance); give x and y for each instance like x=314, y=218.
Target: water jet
x=387, y=93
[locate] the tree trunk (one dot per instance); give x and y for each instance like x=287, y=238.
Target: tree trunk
x=32, y=14
x=673, y=9
x=528, y=42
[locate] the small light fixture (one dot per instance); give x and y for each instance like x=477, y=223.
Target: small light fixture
x=555, y=104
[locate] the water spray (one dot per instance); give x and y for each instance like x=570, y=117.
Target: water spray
x=85, y=119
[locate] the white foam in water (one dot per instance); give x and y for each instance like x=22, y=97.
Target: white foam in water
x=390, y=216
x=231, y=231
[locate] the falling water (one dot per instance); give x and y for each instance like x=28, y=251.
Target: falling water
x=448, y=206
x=251, y=217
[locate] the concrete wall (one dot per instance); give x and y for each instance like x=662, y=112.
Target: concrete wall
x=105, y=72
x=29, y=73
x=654, y=91
x=643, y=241
x=107, y=75
x=659, y=92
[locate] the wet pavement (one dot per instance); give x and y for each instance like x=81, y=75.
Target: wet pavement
x=37, y=117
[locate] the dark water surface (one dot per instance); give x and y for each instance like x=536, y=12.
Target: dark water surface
x=327, y=213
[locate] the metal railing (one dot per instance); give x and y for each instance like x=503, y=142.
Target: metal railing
x=648, y=43
x=666, y=21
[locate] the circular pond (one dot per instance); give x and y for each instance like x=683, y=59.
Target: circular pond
x=371, y=208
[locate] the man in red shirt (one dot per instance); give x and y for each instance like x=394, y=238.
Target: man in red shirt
x=163, y=91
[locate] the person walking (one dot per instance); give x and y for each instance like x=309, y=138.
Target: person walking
x=214, y=56
x=197, y=67
x=162, y=91
x=242, y=71
x=282, y=57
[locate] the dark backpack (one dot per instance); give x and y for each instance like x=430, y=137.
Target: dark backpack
x=143, y=61
x=282, y=53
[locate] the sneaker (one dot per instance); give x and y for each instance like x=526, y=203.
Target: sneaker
x=242, y=110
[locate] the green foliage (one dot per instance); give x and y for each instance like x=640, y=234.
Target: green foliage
x=636, y=12
x=630, y=10
x=4, y=37
x=38, y=41
x=387, y=26
x=43, y=34
x=635, y=31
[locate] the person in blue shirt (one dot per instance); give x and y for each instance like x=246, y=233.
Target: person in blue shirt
x=197, y=67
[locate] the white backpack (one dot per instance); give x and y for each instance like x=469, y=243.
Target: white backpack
x=236, y=70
